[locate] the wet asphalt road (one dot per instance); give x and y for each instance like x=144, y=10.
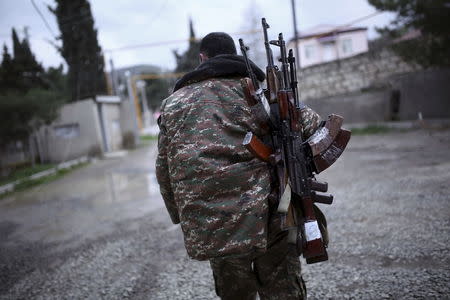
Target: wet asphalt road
x=101, y=232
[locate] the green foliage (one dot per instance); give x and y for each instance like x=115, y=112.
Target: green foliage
x=56, y=80
x=370, y=129
x=29, y=96
x=22, y=71
x=21, y=114
x=148, y=138
x=25, y=172
x=429, y=18
x=80, y=48
x=9, y=77
x=157, y=90
x=189, y=60
x=43, y=180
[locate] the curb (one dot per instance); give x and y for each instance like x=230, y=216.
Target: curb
x=9, y=187
x=413, y=124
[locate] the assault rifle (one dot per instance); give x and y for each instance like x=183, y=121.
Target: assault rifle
x=271, y=69
x=294, y=159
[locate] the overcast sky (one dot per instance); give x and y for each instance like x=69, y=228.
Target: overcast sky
x=132, y=22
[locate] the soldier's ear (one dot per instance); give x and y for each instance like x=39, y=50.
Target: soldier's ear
x=203, y=57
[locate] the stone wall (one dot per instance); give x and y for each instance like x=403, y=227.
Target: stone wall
x=358, y=107
x=426, y=92
x=351, y=74
x=401, y=97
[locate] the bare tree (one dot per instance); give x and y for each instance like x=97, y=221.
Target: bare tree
x=254, y=39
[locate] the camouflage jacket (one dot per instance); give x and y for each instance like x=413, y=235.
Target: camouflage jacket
x=210, y=183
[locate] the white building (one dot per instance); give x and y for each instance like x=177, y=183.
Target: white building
x=325, y=43
x=86, y=127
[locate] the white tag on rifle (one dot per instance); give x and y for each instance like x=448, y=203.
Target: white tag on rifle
x=285, y=200
x=312, y=231
x=264, y=101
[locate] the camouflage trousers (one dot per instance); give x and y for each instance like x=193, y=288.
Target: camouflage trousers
x=274, y=274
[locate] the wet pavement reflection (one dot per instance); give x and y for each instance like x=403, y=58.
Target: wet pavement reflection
x=85, y=203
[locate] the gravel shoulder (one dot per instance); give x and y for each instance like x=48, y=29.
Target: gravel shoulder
x=389, y=227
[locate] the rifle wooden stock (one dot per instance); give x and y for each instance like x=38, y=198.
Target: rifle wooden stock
x=272, y=84
x=249, y=91
x=314, y=245
x=316, y=259
x=257, y=147
x=257, y=107
x=283, y=104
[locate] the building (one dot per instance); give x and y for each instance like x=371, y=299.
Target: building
x=325, y=43
x=87, y=127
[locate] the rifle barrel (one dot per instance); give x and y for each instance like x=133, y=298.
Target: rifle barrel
x=252, y=76
x=284, y=64
x=269, y=54
x=294, y=82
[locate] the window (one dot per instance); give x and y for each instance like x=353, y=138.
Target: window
x=329, y=51
x=347, y=46
x=309, y=51
x=67, y=131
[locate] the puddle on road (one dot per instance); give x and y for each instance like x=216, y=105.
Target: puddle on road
x=83, y=206
x=121, y=183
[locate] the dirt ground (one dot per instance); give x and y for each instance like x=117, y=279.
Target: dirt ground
x=102, y=232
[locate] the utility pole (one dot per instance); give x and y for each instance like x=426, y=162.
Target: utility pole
x=141, y=84
x=297, y=53
x=113, y=77
x=133, y=110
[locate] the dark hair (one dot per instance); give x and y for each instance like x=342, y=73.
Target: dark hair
x=216, y=43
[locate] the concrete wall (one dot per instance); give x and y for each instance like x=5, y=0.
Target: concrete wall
x=426, y=91
x=351, y=74
x=75, y=133
x=127, y=120
x=359, y=107
x=14, y=154
x=111, y=115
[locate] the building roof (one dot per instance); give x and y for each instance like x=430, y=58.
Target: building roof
x=107, y=99
x=326, y=29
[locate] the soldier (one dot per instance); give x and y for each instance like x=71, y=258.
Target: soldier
x=215, y=188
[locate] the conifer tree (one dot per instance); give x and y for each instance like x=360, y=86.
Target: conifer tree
x=27, y=100
x=25, y=64
x=429, y=18
x=9, y=77
x=80, y=48
x=189, y=60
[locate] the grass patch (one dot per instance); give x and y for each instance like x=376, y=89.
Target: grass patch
x=34, y=182
x=371, y=129
x=148, y=138
x=25, y=172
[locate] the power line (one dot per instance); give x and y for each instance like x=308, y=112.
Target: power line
x=341, y=27
x=43, y=19
x=158, y=14
x=363, y=18
x=161, y=43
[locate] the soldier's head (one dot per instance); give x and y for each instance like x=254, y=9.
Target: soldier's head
x=216, y=43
